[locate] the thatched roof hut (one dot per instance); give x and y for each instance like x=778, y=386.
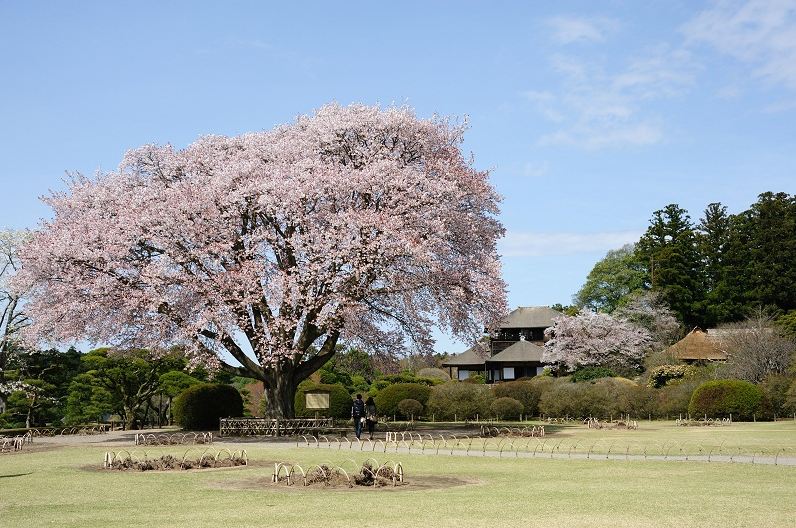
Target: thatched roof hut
x=698, y=345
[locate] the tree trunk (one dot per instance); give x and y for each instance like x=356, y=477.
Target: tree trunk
x=280, y=392
x=130, y=419
x=29, y=417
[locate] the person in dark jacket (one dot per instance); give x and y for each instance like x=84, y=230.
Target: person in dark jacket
x=370, y=415
x=358, y=414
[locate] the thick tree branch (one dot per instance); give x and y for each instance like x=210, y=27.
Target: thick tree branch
x=315, y=362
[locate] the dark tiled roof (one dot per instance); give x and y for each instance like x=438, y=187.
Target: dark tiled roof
x=473, y=356
x=530, y=317
x=519, y=352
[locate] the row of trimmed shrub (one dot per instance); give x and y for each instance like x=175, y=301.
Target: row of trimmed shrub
x=200, y=406
x=559, y=397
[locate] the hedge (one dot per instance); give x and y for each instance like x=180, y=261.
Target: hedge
x=199, y=407
x=387, y=399
x=459, y=401
x=340, y=400
x=591, y=373
x=601, y=398
x=722, y=398
x=506, y=408
x=525, y=392
x=433, y=373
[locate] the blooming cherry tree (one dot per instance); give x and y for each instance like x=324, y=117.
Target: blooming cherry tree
x=595, y=339
x=12, y=315
x=649, y=310
x=353, y=224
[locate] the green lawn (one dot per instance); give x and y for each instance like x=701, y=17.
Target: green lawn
x=660, y=438
x=62, y=487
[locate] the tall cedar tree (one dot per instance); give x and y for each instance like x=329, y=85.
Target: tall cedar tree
x=669, y=250
x=772, y=266
x=712, y=237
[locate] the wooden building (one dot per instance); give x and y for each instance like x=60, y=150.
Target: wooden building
x=471, y=362
x=515, y=350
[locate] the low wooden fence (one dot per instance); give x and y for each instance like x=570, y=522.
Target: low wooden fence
x=274, y=426
x=9, y=444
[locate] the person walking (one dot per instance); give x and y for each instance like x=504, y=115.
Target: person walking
x=358, y=415
x=370, y=415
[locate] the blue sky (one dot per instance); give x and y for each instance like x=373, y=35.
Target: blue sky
x=590, y=115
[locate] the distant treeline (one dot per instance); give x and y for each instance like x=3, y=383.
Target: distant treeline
x=710, y=272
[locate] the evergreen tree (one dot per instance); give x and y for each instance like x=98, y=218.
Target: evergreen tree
x=675, y=270
x=772, y=266
x=730, y=297
x=713, y=235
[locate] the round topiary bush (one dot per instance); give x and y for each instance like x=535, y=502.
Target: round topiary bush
x=410, y=408
x=200, y=406
x=722, y=398
x=339, y=401
x=387, y=399
x=506, y=408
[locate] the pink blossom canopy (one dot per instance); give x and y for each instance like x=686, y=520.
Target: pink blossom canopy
x=354, y=223
x=596, y=339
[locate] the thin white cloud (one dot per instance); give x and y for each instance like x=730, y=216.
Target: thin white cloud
x=604, y=135
x=761, y=33
x=596, y=109
x=530, y=244
x=535, y=170
x=569, y=29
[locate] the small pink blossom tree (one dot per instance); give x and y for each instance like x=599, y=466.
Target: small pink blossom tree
x=596, y=339
x=353, y=224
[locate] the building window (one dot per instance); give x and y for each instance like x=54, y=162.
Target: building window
x=463, y=374
x=508, y=373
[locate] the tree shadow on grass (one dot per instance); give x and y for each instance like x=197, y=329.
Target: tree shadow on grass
x=16, y=475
